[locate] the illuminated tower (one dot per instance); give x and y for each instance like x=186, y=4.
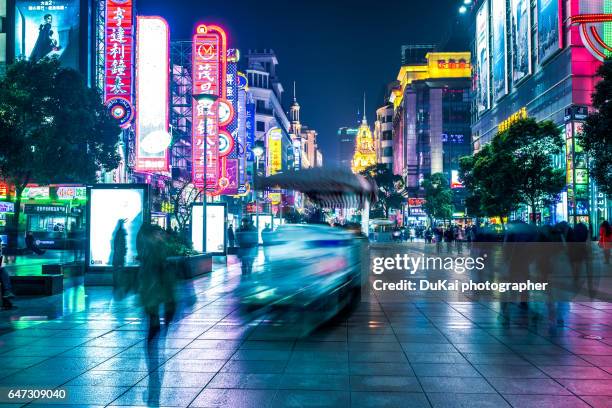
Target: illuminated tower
x=294, y=114
x=365, y=150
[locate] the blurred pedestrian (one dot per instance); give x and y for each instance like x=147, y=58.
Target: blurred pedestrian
x=247, y=245
x=579, y=246
x=605, y=240
x=118, y=254
x=5, y=285
x=412, y=234
x=156, y=282
x=231, y=238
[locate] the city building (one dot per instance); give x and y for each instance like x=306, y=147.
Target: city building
x=431, y=123
x=346, y=146
x=365, y=150
x=306, y=149
x=3, y=30
x=542, y=66
x=383, y=135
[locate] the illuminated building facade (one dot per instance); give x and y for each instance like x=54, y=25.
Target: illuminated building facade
x=365, y=149
x=539, y=59
x=383, y=135
x=431, y=121
x=306, y=150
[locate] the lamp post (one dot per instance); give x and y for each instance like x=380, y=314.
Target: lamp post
x=205, y=101
x=258, y=151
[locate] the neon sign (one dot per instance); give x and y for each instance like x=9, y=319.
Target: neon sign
x=152, y=137
x=275, y=157
x=119, y=48
x=515, y=117
x=209, y=67
x=590, y=35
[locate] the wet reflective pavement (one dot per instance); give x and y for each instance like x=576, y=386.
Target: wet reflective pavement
x=411, y=354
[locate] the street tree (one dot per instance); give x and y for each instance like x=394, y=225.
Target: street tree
x=438, y=197
x=527, y=148
x=390, y=187
x=596, y=137
x=487, y=177
x=183, y=194
x=515, y=168
x=53, y=128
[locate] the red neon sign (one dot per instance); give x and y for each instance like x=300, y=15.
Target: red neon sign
x=590, y=35
x=119, y=48
x=209, y=68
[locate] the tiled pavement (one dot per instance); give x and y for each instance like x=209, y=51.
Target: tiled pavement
x=415, y=354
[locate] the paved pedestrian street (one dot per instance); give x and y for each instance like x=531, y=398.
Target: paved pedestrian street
x=410, y=354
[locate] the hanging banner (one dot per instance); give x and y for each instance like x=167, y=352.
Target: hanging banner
x=209, y=77
x=152, y=137
x=500, y=49
x=275, y=153
x=482, y=58
x=548, y=29
x=119, y=49
x=520, y=37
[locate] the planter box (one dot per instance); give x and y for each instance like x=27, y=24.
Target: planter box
x=187, y=267
x=41, y=285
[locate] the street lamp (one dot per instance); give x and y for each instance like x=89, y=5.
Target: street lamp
x=204, y=102
x=258, y=151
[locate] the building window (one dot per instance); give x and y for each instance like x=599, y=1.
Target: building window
x=387, y=152
x=387, y=135
x=389, y=118
x=260, y=126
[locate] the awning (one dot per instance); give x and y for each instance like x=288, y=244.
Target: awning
x=329, y=188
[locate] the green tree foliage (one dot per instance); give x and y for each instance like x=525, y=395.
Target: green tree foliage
x=389, y=187
x=596, y=138
x=438, y=197
x=515, y=168
x=53, y=128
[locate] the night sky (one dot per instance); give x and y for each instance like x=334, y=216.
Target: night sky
x=334, y=49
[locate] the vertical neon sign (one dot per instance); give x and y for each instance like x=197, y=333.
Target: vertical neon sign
x=209, y=77
x=119, y=49
x=152, y=138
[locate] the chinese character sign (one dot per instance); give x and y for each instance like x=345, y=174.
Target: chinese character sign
x=209, y=77
x=275, y=156
x=119, y=48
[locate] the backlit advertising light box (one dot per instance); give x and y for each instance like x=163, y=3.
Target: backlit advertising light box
x=216, y=228
x=48, y=28
x=112, y=208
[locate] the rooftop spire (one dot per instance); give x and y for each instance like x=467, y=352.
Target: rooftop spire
x=364, y=120
x=294, y=97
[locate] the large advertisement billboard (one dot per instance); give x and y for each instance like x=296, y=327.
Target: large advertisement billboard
x=275, y=150
x=116, y=213
x=48, y=28
x=548, y=29
x=520, y=37
x=482, y=58
x=216, y=228
x=500, y=83
x=152, y=137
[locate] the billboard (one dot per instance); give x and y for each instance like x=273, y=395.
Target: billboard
x=152, y=137
x=483, y=64
x=275, y=150
x=114, y=210
x=455, y=181
x=118, y=64
x=499, y=49
x=520, y=39
x=216, y=228
x=48, y=28
x=548, y=29
x=209, y=66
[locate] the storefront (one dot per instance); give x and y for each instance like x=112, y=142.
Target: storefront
x=6, y=211
x=55, y=214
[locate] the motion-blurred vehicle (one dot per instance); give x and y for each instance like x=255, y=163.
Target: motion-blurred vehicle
x=312, y=269
x=309, y=267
